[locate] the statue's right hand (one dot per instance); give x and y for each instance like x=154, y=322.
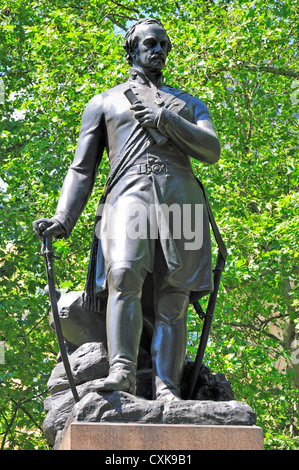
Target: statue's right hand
x=46, y=227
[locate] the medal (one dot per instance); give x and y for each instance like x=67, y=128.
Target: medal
x=158, y=100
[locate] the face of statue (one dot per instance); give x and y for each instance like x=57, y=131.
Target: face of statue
x=152, y=49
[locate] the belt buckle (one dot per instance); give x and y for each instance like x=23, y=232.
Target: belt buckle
x=143, y=168
x=157, y=168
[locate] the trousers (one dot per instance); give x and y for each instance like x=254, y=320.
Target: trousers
x=131, y=250
x=124, y=327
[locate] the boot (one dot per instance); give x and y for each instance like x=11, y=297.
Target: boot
x=169, y=344
x=120, y=381
x=124, y=328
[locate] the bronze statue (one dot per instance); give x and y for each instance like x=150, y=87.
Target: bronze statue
x=150, y=131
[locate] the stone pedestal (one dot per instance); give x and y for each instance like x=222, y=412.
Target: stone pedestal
x=129, y=436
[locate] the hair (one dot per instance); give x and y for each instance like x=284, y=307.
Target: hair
x=131, y=40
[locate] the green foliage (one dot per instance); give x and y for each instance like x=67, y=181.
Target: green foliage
x=241, y=58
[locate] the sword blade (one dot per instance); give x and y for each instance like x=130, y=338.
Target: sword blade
x=53, y=300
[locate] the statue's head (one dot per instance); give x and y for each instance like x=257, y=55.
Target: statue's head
x=147, y=44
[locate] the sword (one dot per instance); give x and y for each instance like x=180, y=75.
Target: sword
x=48, y=254
x=208, y=318
x=209, y=315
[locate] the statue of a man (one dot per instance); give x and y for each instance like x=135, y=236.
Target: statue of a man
x=151, y=178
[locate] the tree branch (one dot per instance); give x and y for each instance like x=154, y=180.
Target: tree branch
x=253, y=68
x=250, y=326
x=125, y=6
x=39, y=322
x=8, y=428
x=269, y=69
x=27, y=413
x=117, y=23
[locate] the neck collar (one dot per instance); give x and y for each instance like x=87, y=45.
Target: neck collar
x=138, y=76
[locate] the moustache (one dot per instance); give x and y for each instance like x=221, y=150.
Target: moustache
x=157, y=56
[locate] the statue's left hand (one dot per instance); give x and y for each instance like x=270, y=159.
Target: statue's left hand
x=146, y=116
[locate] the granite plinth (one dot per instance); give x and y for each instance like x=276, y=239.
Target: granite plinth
x=129, y=436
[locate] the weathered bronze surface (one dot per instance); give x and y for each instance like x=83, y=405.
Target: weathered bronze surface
x=149, y=144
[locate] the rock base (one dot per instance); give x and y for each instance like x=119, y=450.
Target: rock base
x=161, y=437
x=89, y=364
x=125, y=410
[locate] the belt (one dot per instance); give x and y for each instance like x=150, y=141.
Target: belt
x=156, y=168
x=151, y=168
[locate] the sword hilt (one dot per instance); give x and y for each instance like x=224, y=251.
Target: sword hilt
x=156, y=135
x=46, y=248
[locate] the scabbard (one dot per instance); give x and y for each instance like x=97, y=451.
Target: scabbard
x=208, y=319
x=208, y=316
